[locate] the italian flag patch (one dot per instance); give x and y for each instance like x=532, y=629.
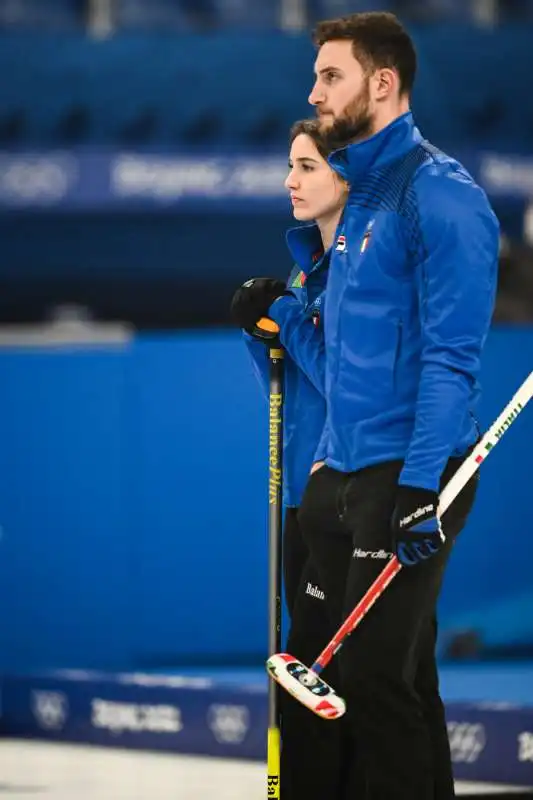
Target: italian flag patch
x=299, y=280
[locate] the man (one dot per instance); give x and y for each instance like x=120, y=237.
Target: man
x=409, y=300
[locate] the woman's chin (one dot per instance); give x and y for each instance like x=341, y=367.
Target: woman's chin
x=301, y=214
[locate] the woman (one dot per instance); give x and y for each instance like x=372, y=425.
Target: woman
x=318, y=196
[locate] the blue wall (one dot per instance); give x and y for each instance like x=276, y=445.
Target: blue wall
x=489, y=585
x=132, y=505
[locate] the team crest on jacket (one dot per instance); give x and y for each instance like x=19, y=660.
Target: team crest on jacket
x=341, y=243
x=315, y=313
x=366, y=237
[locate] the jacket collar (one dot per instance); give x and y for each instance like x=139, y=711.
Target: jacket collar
x=376, y=152
x=305, y=246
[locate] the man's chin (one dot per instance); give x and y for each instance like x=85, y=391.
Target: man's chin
x=326, y=122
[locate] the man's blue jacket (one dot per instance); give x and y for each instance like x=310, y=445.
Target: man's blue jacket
x=411, y=289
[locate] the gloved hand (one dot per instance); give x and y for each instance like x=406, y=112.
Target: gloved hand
x=416, y=529
x=252, y=300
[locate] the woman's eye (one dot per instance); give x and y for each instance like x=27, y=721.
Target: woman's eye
x=307, y=167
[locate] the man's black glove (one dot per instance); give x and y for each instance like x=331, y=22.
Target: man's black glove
x=252, y=300
x=416, y=529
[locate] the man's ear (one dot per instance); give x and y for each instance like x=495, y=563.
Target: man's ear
x=385, y=83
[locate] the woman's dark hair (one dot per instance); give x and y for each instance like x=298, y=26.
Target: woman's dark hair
x=311, y=128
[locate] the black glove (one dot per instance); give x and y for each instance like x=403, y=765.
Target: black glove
x=252, y=300
x=416, y=529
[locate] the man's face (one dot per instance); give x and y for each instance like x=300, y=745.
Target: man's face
x=341, y=93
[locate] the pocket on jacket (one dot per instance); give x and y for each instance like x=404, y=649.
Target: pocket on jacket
x=369, y=357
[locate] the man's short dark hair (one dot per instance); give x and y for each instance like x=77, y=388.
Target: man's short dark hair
x=379, y=41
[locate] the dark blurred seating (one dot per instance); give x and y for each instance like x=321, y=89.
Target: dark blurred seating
x=241, y=89
x=157, y=84
x=200, y=15
x=196, y=15
x=43, y=14
x=430, y=10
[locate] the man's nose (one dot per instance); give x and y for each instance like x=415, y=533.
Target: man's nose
x=317, y=95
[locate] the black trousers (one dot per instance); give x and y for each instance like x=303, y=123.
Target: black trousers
x=313, y=750
x=387, y=669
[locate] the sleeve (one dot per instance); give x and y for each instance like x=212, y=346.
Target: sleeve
x=302, y=340
x=259, y=357
x=456, y=277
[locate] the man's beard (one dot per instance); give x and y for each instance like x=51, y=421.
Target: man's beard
x=355, y=124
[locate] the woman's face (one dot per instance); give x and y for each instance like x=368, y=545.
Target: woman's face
x=316, y=191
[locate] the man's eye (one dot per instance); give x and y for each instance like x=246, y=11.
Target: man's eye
x=331, y=76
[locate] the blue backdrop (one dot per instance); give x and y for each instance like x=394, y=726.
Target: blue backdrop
x=133, y=513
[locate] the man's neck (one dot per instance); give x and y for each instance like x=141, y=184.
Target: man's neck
x=386, y=115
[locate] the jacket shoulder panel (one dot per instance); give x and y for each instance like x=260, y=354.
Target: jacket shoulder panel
x=385, y=189
x=443, y=194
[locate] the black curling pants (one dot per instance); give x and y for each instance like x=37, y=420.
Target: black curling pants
x=395, y=744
